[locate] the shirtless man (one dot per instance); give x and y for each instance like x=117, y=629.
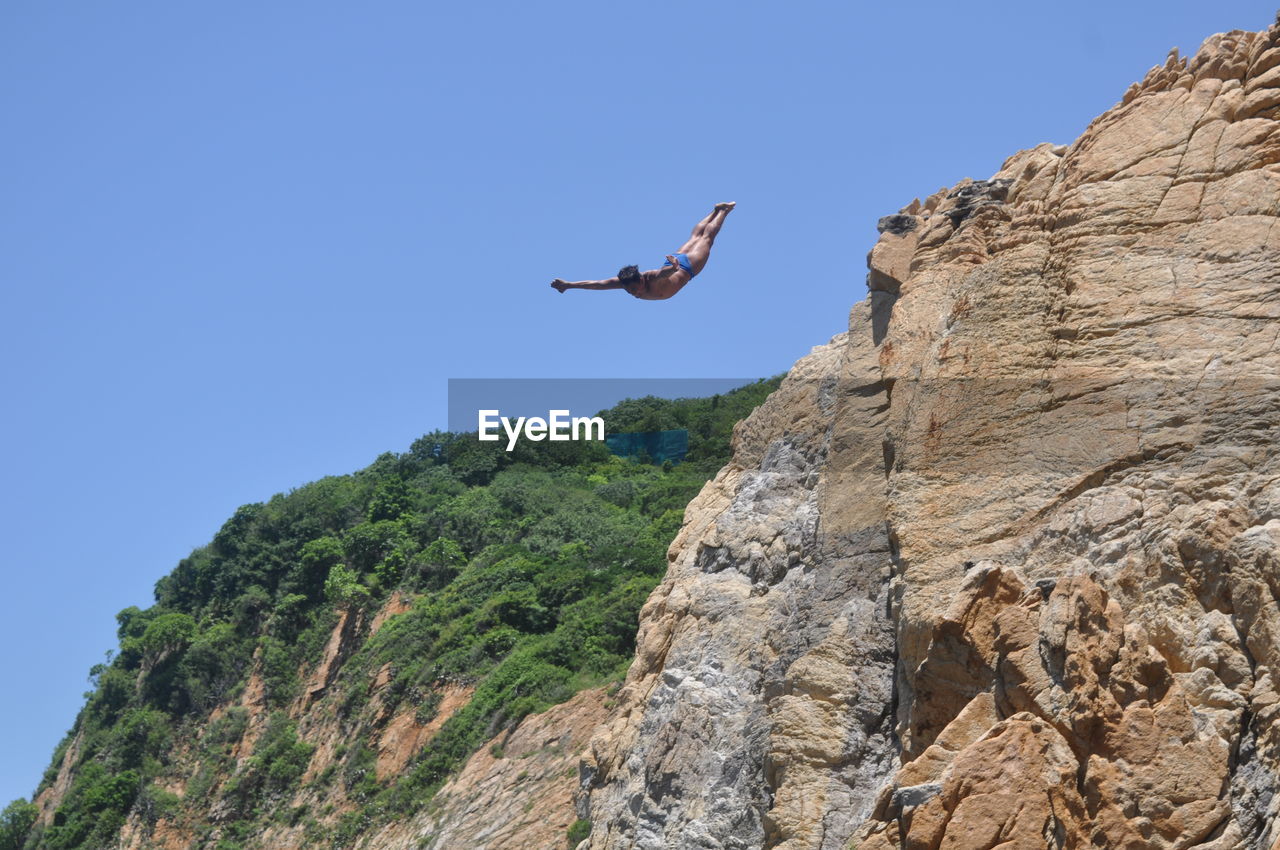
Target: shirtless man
x=679, y=269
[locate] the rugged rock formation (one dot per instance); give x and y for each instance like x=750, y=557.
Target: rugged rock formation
x=760, y=700
x=1001, y=566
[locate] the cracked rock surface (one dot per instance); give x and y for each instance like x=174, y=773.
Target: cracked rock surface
x=1000, y=567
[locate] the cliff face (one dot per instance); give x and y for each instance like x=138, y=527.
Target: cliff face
x=1001, y=565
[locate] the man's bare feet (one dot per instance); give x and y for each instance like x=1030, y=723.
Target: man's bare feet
x=726, y=205
x=560, y=285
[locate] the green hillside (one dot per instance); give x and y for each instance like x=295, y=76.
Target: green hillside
x=525, y=572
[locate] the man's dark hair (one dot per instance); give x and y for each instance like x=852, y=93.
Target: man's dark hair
x=629, y=274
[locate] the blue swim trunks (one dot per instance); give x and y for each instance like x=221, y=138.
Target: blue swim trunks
x=683, y=259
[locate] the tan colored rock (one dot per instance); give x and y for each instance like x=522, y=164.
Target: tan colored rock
x=403, y=737
x=1045, y=455
x=521, y=799
x=397, y=604
x=342, y=640
x=980, y=800
x=48, y=800
x=889, y=263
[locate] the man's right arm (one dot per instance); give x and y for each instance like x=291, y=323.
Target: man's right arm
x=608, y=283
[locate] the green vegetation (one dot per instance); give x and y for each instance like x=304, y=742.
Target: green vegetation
x=526, y=570
x=579, y=830
x=15, y=823
x=279, y=760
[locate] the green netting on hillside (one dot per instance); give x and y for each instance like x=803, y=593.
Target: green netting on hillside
x=656, y=446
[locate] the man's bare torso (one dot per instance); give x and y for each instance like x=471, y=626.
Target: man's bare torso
x=660, y=284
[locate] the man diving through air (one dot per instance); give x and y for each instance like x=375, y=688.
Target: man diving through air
x=679, y=269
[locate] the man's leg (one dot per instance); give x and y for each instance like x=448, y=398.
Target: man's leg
x=699, y=246
x=709, y=226
x=701, y=227
x=716, y=221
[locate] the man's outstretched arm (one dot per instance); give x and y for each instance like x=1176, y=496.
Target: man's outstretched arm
x=610, y=283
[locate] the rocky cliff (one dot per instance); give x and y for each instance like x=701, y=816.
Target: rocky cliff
x=1000, y=567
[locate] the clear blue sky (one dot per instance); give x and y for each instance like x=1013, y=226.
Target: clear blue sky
x=244, y=245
